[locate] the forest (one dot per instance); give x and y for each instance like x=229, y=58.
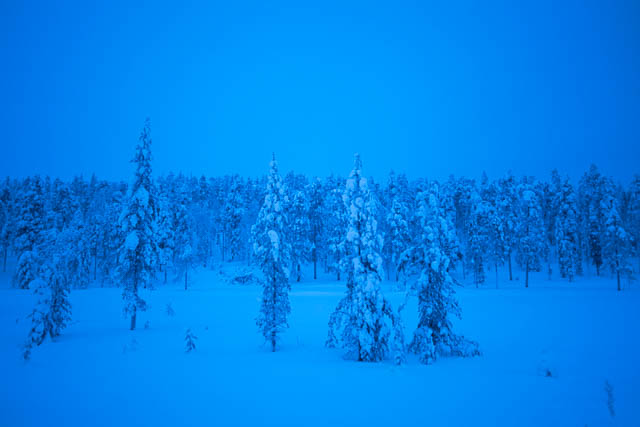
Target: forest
x=80, y=234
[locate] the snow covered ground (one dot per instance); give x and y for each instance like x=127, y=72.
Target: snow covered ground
x=99, y=373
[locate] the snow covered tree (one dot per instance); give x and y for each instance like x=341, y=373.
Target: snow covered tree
x=478, y=227
x=272, y=252
x=616, y=242
x=566, y=230
x=364, y=323
x=506, y=209
x=633, y=216
x=6, y=221
x=28, y=232
x=316, y=223
x=53, y=310
x=590, y=192
x=397, y=238
x=165, y=236
x=137, y=254
x=300, y=230
x=335, y=215
x=184, y=240
x=429, y=261
x=232, y=213
x=530, y=231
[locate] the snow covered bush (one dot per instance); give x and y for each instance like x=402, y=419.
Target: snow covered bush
x=53, y=310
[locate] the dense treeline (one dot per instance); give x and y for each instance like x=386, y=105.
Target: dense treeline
x=196, y=221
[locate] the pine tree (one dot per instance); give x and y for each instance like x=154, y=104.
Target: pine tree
x=633, y=216
x=506, y=209
x=30, y=225
x=429, y=261
x=301, y=246
x=232, y=213
x=272, y=252
x=566, y=230
x=478, y=236
x=75, y=252
x=592, y=216
x=6, y=221
x=616, y=242
x=530, y=231
x=316, y=224
x=165, y=237
x=363, y=323
x=335, y=215
x=184, y=237
x=397, y=238
x=137, y=253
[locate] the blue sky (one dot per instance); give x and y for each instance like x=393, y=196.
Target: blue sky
x=428, y=89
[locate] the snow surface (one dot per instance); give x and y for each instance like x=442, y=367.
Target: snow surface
x=98, y=373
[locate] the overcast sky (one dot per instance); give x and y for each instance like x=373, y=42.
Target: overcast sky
x=414, y=87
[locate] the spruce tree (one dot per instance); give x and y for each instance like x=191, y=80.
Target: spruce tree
x=566, y=230
x=530, y=231
x=335, y=215
x=592, y=219
x=137, y=252
x=316, y=224
x=428, y=260
x=301, y=246
x=184, y=240
x=633, y=216
x=478, y=227
x=397, y=238
x=506, y=207
x=363, y=323
x=616, y=242
x=232, y=213
x=272, y=251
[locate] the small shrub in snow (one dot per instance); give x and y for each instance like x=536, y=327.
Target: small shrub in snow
x=170, y=311
x=608, y=388
x=190, y=341
x=53, y=310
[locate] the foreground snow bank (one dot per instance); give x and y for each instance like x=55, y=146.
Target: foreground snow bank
x=547, y=353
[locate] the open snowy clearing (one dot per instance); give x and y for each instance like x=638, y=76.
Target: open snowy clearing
x=99, y=373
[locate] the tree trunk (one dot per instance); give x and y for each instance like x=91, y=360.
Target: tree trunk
x=133, y=319
x=618, y=274
x=298, y=270
x=314, y=255
x=95, y=263
x=185, y=278
x=526, y=279
x=510, y=271
x=496, y=264
x=165, y=275
x=273, y=326
x=4, y=264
